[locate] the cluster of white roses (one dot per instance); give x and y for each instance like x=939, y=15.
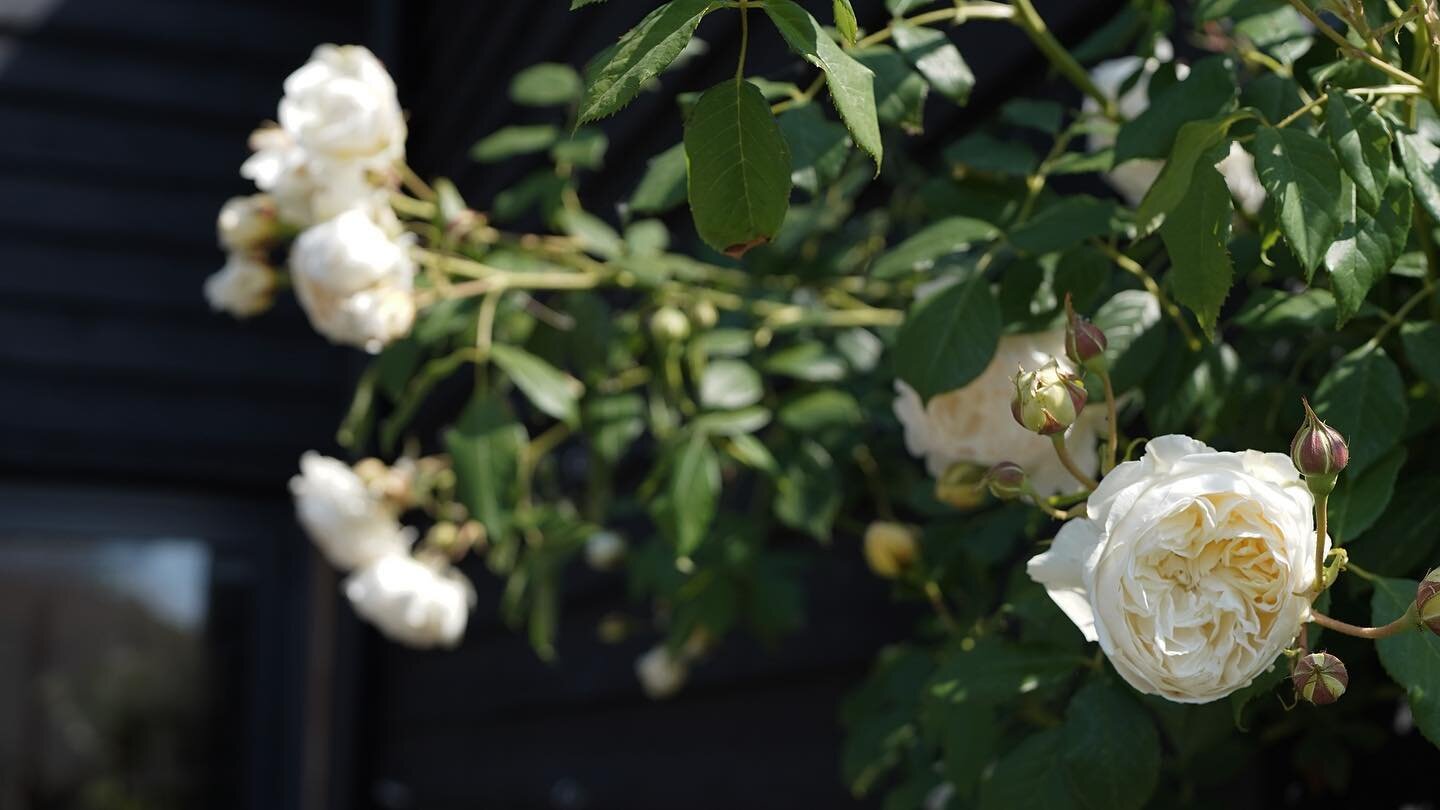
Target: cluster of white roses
x=325, y=171
x=415, y=599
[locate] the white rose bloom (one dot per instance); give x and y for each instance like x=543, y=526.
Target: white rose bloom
x=354, y=281
x=306, y=191
x=661, y=672
x=247, y=224
x=1134, y=177
x=973, y=424
x=341, y=108
x=1191, y=569
x=419, y=604
x=244, y=287
x=350, y=525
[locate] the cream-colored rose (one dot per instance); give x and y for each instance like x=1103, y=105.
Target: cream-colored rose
x=418, y=603
x=350, y=525
x=244, y=287
x=661, y=672
x=354, y=281
x=1134, y=177
x=974, y=424
x=306, y=191
x=1192, y=568
x=341, y=108
x=247, y=224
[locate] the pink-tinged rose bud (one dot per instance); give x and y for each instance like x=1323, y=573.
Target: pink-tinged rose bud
x=1319, y=452
x=962, y=486
x=1427, y=601
x=1007, y=480
x=1319, y=678
x=1047, y=400
x=1085, y=342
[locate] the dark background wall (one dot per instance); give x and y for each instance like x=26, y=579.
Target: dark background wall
x=124, y=401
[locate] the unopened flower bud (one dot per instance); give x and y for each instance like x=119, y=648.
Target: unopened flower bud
x=443, y=536
x=1085, y=342
x=669, y=324
x=604, y=550
x=371, y=469
x=1427, y=601
x=1319, y=452
x=704, y=314
x=1319, y=678
x=962, y=486
x=472, y=534
x=890, y=548
x=1007, y=480
x=248, y=224
x=1048, y=399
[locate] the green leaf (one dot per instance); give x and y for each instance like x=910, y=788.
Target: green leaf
x=1027, y=776
x=1421, y=161
x=993, y=671
x=1131, y=321
x=593, y=234
x=818, y=147
x=511, y=141
x=551, y=390
x=1421, y=340
x=821, y=410
x=1196, y=234
x=730, y=384
x=1358, y=500
x=547, y=84
x=614, y=422
x=620, y=72
x=851, y=84
x=732, y=423
x=1363, y=397
x=810, y=361
x=936, y=57
x=1111, y=752
x=739, y=168
x=694, y=492
x=845, y=21
x=1264, y=684
x=808, y=491
x=1194, y=141
x=899, y=91
x=485, y=447
x=584, y=148
x=1368, y=245
x=984, y=153
x=1207, y=91
x=948, y=338
x=1362, y=142
x=1282, y=311
x=919, y=252
x=1404, y=537
x=1066, y=224
x=899, y=8
x=1043, y=116
x=662, y=187
x=1412, y=659
x=1300, y=174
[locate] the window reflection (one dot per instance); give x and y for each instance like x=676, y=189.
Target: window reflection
x=103, y=674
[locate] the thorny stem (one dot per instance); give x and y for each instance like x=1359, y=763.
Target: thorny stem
x=1069, y=463
x=1112, y=448
x=1348, y=47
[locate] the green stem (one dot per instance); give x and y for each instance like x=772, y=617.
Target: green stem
x=1400, y=625
x=1063, y=453
x=1030, y=21
x=1347, y=46
x=1133, y=267
x=744, y=40
x=1112, y=448
x=1322, y=516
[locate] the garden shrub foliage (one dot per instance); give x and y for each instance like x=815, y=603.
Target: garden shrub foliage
x=1242, y=197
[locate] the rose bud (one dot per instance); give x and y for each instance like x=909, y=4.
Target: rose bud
x=1085, y=342
x=1048, y=399
x=1319, y=452
x=1319, y=678
x=962, y=486
x=1427, y=601
x=1007, y=480
x=890, y=548
x=669, y=324
x=604, y=550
